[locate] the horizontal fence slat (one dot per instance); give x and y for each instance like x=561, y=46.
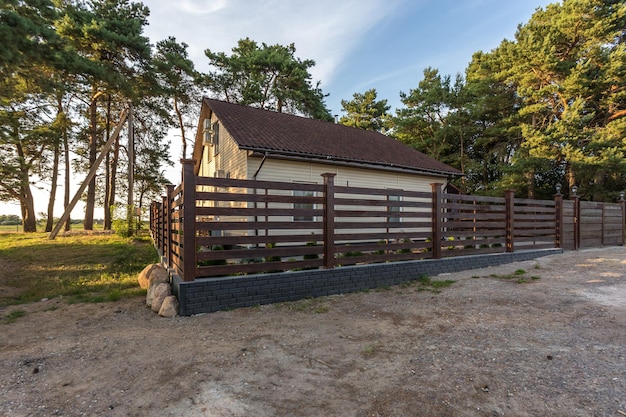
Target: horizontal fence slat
x=481, y=224
x=252, y=240
x=380, y=225
x=382, y=235
x=382, y=191
x=469, y=208
x=474, y=216
x=237, y=269
x=364, y=202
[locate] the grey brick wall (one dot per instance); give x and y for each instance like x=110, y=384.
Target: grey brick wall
x=206, y=295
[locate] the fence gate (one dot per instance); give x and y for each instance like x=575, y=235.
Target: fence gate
x=588, y=224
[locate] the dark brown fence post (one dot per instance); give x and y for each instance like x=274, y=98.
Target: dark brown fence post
x=189, y=220
x=576, y=218
x=329, y=220
x=167, y=224
x=558, y=212
x=623, y=204
x=509, y=202
x=436, y=219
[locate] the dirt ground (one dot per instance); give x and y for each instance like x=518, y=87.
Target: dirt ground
x=547, y=342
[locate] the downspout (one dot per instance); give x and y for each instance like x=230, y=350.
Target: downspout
x=260, y=166
x=254, y=177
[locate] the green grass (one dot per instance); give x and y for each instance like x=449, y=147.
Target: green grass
x=83, y=268
x=425, y=283
x=14, y=315
x=519, y=276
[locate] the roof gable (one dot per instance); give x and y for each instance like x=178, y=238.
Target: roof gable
x=289, y=135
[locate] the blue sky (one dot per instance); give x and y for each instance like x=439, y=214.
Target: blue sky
x=356, y=44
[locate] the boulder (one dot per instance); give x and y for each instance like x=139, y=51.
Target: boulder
x=161, y=291
x=152, y=272
x=169, y=308
x=152, y=291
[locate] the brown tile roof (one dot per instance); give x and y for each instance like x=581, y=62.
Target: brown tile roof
x=288, y=135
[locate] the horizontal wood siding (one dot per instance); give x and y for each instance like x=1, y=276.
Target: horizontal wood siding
x=307, y=172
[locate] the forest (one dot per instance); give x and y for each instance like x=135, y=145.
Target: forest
x=547, y=107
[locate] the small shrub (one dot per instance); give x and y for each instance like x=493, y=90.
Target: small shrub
x=125, y=221
x=405, y=250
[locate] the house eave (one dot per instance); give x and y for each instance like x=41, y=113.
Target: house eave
x=260, y=153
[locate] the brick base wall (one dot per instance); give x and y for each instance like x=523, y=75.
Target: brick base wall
x=206, y=295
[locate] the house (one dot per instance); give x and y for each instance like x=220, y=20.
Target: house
x=235, y=141
x=246, y=143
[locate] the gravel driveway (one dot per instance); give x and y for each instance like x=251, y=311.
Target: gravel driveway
x=536, y=338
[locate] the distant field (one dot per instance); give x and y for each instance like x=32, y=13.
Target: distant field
x=40, y=227
x=80, y=266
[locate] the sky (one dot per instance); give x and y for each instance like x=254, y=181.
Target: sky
x=356, y=44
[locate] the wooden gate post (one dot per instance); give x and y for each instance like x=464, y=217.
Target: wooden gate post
x=623, y=204
x=329, y=220
x=558, y=225
x=189, y=220
x=436, y=219
x=576, y=200
x=509, y=203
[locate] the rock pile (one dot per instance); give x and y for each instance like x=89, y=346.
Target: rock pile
x=155, y=279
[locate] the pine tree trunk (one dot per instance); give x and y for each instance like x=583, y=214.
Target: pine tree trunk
x=55, y=167
x=66, y=194
x=27, y=204
x=109, y=179
x=53, y=188
x=182, y=127
x=93, y=149
x=28, y=210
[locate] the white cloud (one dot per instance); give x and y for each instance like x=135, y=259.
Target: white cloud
x=200, y=6
x=324, y=30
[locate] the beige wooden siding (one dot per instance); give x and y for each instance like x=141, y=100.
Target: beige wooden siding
x=230, y=161
x=292, y=171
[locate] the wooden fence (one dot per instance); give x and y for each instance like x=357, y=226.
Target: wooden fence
x=208, y=227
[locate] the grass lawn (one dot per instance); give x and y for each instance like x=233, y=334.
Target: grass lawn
x=81, y=267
